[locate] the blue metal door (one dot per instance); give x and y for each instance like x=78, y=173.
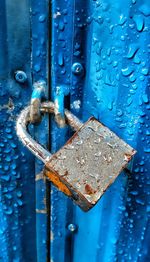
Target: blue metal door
x=96, y=53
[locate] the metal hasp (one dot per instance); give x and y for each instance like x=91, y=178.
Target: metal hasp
x=89, y=163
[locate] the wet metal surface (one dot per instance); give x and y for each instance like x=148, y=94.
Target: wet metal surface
x=17, y=183
x=88, y=163
x=110, y=39
x=24, y=119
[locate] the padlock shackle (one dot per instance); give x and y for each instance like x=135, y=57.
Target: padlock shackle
x=22, y=129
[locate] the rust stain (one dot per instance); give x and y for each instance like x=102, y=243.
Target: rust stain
x=127, y=157
x=89, y=190
x=88, y=186
x=66, y=174
x=57, y=182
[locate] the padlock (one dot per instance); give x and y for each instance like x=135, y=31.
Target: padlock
x=87, y=164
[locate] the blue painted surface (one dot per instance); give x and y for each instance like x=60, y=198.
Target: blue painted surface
x=23, y=215
x=17, y=186
x=40, y=74
x=61, y=207
x=111, y=41
x=115, y=93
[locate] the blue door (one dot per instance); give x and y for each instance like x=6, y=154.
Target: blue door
x=94, y=57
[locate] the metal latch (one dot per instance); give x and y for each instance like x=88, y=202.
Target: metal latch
x=87, y=164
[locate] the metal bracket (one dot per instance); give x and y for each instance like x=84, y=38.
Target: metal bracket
x=59, y=109
x=37, y=95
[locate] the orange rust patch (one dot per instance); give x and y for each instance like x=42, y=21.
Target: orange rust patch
x=127, y=157
x=57, y=182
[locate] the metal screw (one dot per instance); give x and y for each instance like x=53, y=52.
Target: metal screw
x=77, y=69
x=72, y=228
x=20, y=77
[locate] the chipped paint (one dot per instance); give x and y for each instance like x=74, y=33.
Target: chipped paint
x=43, y=211
x=52, y=236
x=39, y=176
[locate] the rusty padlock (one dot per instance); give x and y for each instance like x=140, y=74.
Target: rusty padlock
x=87, y=164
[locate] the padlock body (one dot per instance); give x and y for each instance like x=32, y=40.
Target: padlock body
x=88, y=163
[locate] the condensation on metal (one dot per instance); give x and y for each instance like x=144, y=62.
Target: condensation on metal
x=17, y=198
x=110, y=39
x=27, y=140
x=96, y=157
x=91, y=148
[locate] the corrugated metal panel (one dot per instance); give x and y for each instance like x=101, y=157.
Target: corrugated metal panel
x=17, y=187
x=23, y=41
x=110, y=39
x=40, y=22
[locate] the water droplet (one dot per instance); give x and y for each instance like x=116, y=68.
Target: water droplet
x=60, y=59
x=122, y=19
x=139, y=21
x=19, y=201
x=2, y=145
x=133, y=1
x=61, y=25
x=120, y=112
x=129, y=101
x=132, y=78
x=8, y=211
x=8, y=158
x=14, y=248
x=42, y=18
x=98, y=154
x=148, y=208
x=13, y=145
x=145, y=71
x=145, y=98
x=110, y=105
x=9, y=196
x=147, y=150
x=136, y=59
x=123, y=208
x=61, y=157
x=127, y=71
x=19, y=194
x=140, y=201
x=37, y=68
x=8, y=130
x=109, y=81
x=80, y=142
x=133, y=48
x=115, y=63
x=134, y=193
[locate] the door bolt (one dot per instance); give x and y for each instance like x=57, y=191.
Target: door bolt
x=72, y=228
x=20, y=77
x=77, y=69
